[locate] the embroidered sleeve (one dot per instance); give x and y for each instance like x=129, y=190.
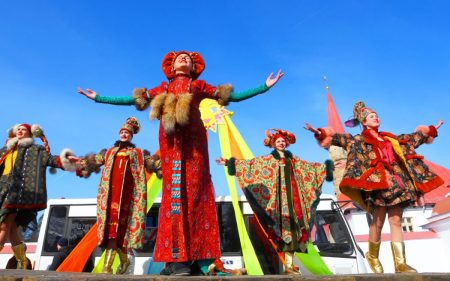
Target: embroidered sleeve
x=152, y=163
x=249, y=171
x=311, y=175
x=415, y=139
x=53, y=161
x=91, y=163
x=343, y=140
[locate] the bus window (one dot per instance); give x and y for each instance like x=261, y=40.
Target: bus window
x=80, y=226
x=229, y=238
x=330, y=235
x=56, y=227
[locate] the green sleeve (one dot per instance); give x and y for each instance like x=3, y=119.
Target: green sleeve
x=240, y=96
x=123, y=100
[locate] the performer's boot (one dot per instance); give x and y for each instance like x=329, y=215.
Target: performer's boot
x=19, y=253
x=372, y=257
x=398, y=252
x=124, y=261
x=109, y=260
x=289, y=266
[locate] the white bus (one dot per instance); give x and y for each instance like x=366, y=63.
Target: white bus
x=331, y=236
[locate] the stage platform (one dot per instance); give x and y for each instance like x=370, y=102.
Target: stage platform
x=25, y=275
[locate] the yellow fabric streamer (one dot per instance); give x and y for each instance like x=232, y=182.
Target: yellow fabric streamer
x=250, y=259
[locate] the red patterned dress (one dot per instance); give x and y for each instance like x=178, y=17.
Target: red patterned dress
x=120, y=196
x=188, y=229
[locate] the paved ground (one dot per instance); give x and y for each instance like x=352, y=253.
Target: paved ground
x=22, y=275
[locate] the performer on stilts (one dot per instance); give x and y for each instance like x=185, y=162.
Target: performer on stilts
x=23, y=191
x=188, y=229
x=283, y=191
x=384, y=175
x=122, y=195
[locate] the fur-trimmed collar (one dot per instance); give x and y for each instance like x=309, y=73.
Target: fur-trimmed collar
x=276, y=154
x=371, y=139
x=124, y=144
x=25, y=142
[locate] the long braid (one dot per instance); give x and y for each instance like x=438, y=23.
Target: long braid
x=45, y=142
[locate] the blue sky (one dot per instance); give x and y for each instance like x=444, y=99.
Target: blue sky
x=394, y=55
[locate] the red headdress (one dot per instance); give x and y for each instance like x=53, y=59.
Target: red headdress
x=271, y=137
x=28, y=126
x=169, y=59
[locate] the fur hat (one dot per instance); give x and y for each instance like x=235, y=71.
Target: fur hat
x=35, y=130
x=197, y=62
x=131, y=125
x=271, y=137
x=360, y=112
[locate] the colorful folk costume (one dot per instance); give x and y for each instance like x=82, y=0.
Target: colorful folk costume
x=23, y=191
x=188, y=228
x=283, y=191
x=383, y=172
x=122, y=197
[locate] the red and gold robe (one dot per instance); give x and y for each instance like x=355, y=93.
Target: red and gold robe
x=122, y=197
x=188, y=229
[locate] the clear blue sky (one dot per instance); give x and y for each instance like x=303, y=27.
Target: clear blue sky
x=394, y=55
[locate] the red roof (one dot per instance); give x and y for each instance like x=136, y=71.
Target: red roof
x=439, y=193
x=442, y=206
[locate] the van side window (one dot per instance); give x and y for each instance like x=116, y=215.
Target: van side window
x=55, y=228
x=330, y=235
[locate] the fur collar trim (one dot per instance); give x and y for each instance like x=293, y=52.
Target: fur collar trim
x=12, y=142
x=172, y=110
x=276, y=154
x=370, y=139
x=122, y=144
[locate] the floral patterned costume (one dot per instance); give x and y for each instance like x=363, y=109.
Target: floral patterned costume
x=283, y=193
x=385, y=173
x=122, y=197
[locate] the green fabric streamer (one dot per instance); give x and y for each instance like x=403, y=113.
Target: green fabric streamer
x=313, y=261
x=99, y=266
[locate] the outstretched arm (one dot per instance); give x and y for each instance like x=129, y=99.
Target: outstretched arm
x=270, y=82
x=90, y=94
x=311, y=129
x=221, y=161
x=423, y=134
x=439, y=124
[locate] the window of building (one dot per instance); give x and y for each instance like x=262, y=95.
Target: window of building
x=407, y=224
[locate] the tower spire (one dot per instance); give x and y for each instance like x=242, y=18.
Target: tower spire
x=334, y=121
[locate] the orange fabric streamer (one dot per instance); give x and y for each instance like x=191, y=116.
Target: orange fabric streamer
x=76, y=260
